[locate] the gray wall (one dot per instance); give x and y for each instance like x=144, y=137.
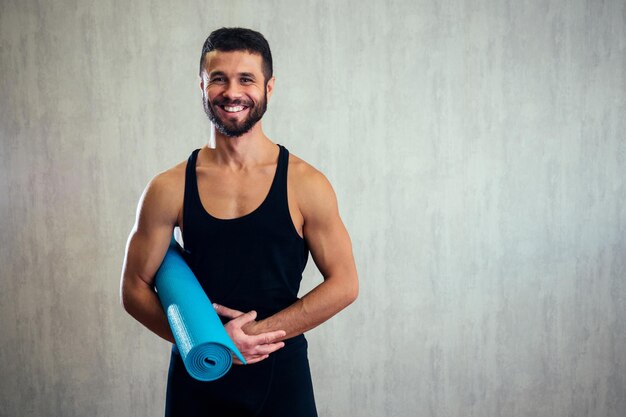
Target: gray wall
x=477, y=149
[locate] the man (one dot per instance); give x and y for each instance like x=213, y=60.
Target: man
x=249, y=213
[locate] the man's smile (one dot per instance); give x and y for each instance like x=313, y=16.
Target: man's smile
x=233, y=109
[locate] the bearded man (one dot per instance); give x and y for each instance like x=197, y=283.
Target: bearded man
x=249, y=213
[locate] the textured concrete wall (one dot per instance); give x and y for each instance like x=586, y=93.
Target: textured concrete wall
x=479, y=155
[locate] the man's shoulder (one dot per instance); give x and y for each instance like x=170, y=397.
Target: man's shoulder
x=169, y=183
x=170, y=177
x=302, y=169
x=308, y=182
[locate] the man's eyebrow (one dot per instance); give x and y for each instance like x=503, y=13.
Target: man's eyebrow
x=240, y=74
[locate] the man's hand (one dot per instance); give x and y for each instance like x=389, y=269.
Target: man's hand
x=254, y=348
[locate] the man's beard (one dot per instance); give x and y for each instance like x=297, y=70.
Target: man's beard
x=235, y=128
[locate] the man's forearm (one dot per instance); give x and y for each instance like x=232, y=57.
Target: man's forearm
x=143, y=304
x=317, y=306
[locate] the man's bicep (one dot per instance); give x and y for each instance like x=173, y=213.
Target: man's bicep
x=145, y=252
x=151, y=234
x=325, y=233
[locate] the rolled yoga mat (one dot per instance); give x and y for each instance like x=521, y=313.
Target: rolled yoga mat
x=204, y=345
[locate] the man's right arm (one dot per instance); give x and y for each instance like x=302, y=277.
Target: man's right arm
x=149, y=239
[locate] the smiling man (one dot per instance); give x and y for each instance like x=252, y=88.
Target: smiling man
x=249, y=213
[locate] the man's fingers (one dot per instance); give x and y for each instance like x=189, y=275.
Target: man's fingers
x=255, y=359
x=269, y=337
x=242, y=319
x=251, y=359
x=226, y=312
x=268, y=348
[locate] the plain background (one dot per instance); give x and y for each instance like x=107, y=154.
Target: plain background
x=477, y=149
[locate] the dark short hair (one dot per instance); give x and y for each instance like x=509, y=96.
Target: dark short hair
x=239, y=39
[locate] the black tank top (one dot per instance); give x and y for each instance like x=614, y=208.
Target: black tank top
x=253, y=262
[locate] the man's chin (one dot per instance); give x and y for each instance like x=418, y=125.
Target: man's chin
x=231, y=132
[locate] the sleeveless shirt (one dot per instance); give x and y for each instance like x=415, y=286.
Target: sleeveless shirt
x=253, y=262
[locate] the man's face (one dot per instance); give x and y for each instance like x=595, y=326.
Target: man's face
x=234, y=91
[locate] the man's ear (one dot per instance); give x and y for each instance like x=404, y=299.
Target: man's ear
x=269, y=87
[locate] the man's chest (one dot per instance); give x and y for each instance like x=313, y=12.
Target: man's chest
x=228, y=195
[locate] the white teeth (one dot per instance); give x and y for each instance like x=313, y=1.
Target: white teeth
x=233, y=109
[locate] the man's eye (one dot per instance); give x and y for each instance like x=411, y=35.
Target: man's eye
x=246, y=80
x=217, y=79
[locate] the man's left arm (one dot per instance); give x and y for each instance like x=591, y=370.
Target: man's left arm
x=331, y=250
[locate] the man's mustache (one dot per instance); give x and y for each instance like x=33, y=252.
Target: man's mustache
x=232, y=103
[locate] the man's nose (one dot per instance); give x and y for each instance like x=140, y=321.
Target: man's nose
x=232, y=91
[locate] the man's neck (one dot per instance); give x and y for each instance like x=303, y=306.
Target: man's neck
x=245, y=150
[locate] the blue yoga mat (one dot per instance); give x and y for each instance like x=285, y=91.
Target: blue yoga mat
x=204, y=345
